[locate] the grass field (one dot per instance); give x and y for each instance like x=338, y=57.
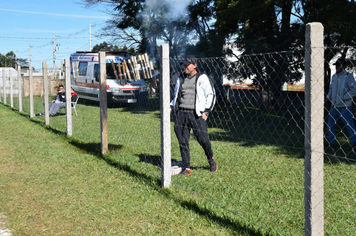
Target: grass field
x=55, y=185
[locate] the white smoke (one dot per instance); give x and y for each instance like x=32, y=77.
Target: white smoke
x=174, y=10
x=177, y=9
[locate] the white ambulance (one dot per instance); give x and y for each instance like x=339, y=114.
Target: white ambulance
x=121, y=84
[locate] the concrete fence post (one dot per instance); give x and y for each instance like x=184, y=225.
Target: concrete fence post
x=4, y=85
x=68, y=99
x=19, y=80
x=314, y=138
x=103, y=104
x=32, y=113
x=165, y=118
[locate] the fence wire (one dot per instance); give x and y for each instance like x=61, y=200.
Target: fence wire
x=257, y=131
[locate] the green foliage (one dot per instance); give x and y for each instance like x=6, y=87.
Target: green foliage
x=110, y=47
x=152, y=22
x=10, y=60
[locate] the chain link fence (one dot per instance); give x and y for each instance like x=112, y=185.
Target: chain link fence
x=257, y=131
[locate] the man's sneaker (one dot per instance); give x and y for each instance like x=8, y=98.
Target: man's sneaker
x=185, y=172
x=213, y=165
x=39, y=114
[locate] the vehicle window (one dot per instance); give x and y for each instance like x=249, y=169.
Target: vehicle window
x=83, y=68
x=110, y=71
x=96, y=72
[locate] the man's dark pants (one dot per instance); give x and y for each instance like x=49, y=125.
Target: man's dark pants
x=185, y=121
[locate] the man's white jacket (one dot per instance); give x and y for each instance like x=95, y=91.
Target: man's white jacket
x=204, y=94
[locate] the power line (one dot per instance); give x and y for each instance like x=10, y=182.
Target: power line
x=57, y=14
x=7, y=37
x=70, y=36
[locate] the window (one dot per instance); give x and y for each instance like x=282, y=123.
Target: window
x=83, y=68
x=96, y=72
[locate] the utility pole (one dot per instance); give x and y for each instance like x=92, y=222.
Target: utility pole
x=29, y=50
x=55, y=48
x=89, y=36
x=54, y=51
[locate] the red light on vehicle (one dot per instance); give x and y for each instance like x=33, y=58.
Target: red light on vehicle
x=107, y=87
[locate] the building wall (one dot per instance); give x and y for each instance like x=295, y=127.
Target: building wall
x=38, y=90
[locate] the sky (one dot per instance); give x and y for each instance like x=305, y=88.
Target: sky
x=35, y=22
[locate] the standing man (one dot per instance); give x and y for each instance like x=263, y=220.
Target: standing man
x=341, y=93
x=194, y=98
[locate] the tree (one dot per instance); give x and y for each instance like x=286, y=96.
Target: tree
x=10, y=60
x=110, y=47
x=261, y=27
x=279, y=25
x=142, y=24
x=338, y=19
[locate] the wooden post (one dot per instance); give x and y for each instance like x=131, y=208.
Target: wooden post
x=143, y=67
x=127, y=70
x=124, y=71
x=152, y=70
x=147, y=62
x=314, y=133
x=103, y=104
x=136, y=70
x=115, y=71
x=132, y=69
x=120, y=74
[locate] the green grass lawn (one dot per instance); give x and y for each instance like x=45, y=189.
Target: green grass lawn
x=54, y=185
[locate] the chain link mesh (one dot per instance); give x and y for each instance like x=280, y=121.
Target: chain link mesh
x=257, y=133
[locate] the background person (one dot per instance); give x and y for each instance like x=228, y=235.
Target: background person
x=194, y=98
x=60, y=98
x=59, y=102
x=58, y=105
x=340, y=95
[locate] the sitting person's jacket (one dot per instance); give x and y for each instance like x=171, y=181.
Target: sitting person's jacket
x=61, y=97
x=74, y=96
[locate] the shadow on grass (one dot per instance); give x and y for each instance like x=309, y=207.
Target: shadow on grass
x=150, y=159
x=157, y=161
x=237, y=227
x=155, y=182
x=93, y=148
